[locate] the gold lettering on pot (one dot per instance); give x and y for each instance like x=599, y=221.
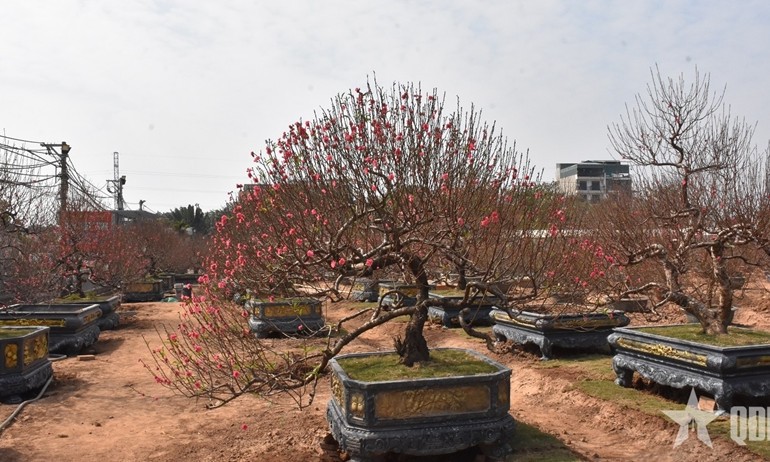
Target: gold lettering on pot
x=357, y=405
x=428, y=402
x=11, y=356
x=663, y=350
x=284, y=311
x=337, y=390
x=33, y=322
x=34, y=349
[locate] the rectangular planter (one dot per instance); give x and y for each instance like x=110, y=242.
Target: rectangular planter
x=296, y=316
x=24, y=365
x=722, y=372
x=448, y=316
x=143, y=291
x=366, y=290
x=407, y=295
x=427, y=416
x=108, y=305
x=72, y=327
x=574, y=331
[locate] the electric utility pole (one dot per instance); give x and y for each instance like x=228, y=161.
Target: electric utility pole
x=63, y=174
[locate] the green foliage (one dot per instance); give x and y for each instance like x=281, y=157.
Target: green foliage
x=190, y=216
x=443, y=363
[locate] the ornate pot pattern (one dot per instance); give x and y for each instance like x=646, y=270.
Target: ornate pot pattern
x=288, y=316
x=573, y=331
x=24, y=365
x=722, y=372
x=72, y=327
x=428, y=416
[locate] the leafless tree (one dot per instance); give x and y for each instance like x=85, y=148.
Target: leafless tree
x=693, y=222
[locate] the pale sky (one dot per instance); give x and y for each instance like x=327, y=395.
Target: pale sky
x=184, y=90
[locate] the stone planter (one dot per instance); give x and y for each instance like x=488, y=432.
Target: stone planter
x=143, y=291
x=418, y=417
x=296, y=316
x=409, y=293
x=737, y=282
x=108, y=305
x=722, y=372
x=365, y=290
x=73, y=327
x=25, y=365
x=186, y=278
x=480, y=309
x=575, y=331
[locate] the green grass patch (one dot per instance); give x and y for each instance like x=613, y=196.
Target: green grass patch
x=736, y=336
x=594, y=377
x=87, y=297
x=443, y=363
x=530, y=445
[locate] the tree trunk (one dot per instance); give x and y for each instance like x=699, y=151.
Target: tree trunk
x=414, y=348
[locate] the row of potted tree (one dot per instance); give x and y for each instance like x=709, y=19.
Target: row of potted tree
x=390, y=183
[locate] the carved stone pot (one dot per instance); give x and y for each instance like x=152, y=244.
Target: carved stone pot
x=479, y=314
x=366, y=290
x=24, y=366
x=143, y=291
x=583, y=331
x=418, y=417
x=73, y=327
x=108, y=305
x=293, y=316
x=722, y=372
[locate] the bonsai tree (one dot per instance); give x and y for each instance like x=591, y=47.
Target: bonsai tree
x=386, y=182
x=691, y=223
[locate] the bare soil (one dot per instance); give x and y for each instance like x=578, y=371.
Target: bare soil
x=110, y=409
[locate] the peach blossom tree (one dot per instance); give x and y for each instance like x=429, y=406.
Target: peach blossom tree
x=385, y=182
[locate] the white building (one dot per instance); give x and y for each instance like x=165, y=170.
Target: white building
x=593, y=180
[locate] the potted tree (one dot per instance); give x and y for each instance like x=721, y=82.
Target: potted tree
x=386, y=183
x=696, y=218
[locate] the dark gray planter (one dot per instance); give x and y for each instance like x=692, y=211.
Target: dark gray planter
x=421, y=417
x=722, y=372
x=365, y=290
x=574, y=331
x=24, y=366
x=296, y=316
x=479, y=314
x=108, y=305
x=144, y=291
x=73, y=327
x=408, y=293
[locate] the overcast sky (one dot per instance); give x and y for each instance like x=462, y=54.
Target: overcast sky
x=184, y=90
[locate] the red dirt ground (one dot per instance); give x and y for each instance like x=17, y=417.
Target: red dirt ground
x=110, y=409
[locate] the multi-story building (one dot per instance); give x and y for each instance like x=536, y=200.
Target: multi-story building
x=593, y=180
